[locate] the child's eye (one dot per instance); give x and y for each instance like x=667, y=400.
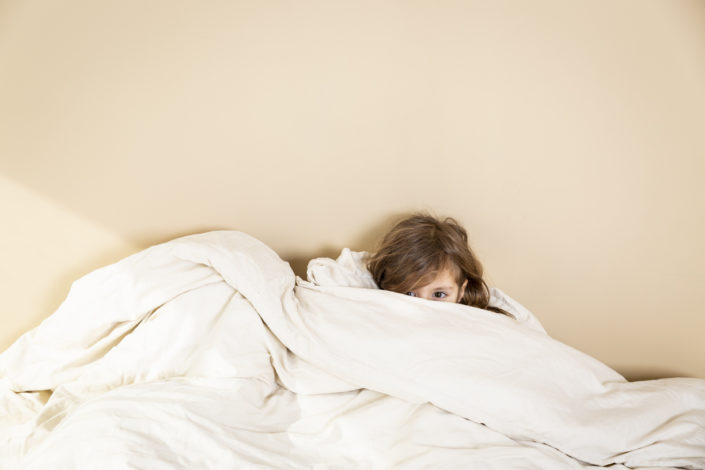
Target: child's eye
x=412, y=294
x=440, y=295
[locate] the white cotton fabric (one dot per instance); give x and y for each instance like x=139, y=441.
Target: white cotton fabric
x=205, y=352
x=350, y=270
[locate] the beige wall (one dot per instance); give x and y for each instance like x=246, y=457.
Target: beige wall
x=44, y=248
x=567, y=136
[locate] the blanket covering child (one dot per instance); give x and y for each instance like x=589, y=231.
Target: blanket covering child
x=208, y=352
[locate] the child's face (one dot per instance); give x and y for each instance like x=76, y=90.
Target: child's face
x=443, y=288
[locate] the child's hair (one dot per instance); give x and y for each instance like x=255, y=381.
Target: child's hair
x=418, y=247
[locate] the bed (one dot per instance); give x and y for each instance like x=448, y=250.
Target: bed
x=208, y=352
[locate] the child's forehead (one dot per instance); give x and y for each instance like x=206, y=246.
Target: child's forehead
x=446, y=274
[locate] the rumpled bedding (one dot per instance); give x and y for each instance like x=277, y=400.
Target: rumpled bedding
x=208, y=352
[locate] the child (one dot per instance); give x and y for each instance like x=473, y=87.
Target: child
x=425, y=257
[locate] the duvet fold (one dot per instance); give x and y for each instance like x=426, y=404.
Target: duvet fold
x=207, y=351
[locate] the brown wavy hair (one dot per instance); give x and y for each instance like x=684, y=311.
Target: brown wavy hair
x=418, y=247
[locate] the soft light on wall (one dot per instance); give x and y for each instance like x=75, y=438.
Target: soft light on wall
x=566, y=136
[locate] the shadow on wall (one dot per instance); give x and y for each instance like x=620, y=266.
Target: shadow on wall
x=636, y=374
x=145, y=241
x=299, y=263
x=367, y=240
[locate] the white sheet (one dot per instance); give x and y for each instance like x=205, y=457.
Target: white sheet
x=203, y=353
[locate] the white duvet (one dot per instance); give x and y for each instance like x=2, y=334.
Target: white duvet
x=207, y=353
